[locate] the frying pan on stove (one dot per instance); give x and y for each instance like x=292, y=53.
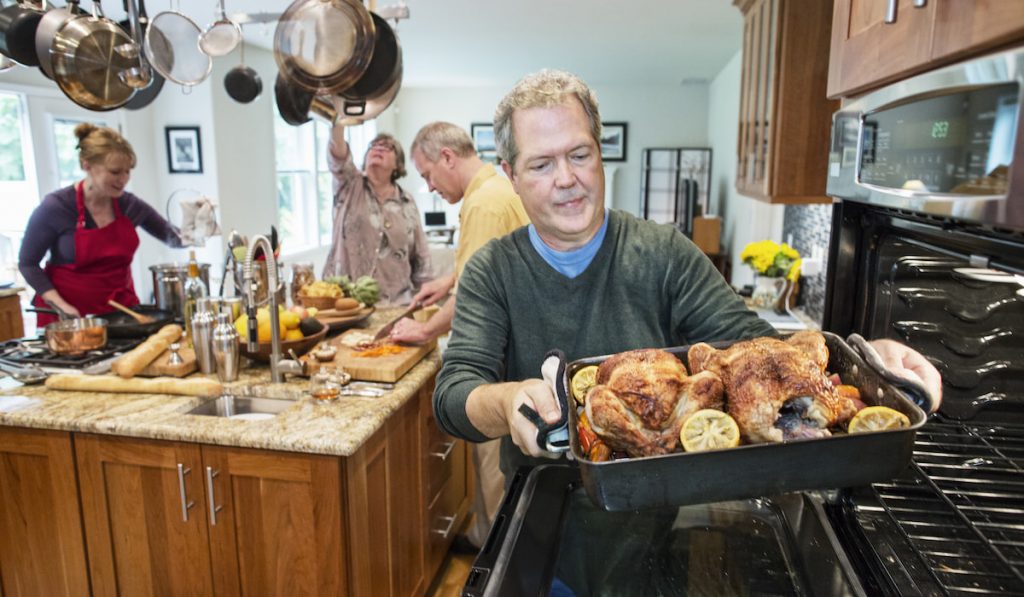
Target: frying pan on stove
x=122, y=325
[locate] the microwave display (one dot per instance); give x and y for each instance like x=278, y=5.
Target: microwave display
x=960, y=142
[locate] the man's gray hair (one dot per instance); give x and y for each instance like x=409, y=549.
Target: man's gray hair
x=545, y=89
x=435, y=136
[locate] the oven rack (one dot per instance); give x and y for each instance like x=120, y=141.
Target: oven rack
x=954, y=523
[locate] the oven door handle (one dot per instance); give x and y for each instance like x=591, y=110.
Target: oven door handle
x=913, y=389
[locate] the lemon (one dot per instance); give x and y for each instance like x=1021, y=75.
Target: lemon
x=877, y=418
x=290, y=320
x=294, y=334
x=582, y=381
x=709, y=429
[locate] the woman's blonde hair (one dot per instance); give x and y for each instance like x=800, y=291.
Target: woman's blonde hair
x=95, y=143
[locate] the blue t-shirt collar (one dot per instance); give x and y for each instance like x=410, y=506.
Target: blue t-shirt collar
x=569, y=263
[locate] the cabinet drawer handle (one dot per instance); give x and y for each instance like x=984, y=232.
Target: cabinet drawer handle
x=185, y=503
x=890, y=12
x=920, y=3
x=448, y=529
x=214, y=508
x=447, y=451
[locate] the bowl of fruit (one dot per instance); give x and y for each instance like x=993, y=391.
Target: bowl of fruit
x=300, y=333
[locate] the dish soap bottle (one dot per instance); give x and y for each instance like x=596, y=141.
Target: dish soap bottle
x=194, y=289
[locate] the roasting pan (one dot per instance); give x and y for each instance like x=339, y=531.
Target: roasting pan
x=755, y=470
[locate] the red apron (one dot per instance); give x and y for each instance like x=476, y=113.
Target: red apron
x=102, y=267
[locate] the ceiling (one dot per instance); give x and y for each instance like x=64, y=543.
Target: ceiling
x=492, y=42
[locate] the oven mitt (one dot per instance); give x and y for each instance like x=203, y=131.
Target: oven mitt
x=553, y=437
x=917, y=392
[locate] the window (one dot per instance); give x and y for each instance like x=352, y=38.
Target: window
x=17, y=185
x=68, y=169
x=305, y=197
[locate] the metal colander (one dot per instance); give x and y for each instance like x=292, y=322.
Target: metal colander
x=172, y=46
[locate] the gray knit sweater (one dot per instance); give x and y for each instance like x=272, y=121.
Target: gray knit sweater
x=648, y=286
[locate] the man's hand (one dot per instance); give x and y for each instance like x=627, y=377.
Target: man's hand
x=907, y=362
x=435, y=290
x=411, y=331
x=537, y=394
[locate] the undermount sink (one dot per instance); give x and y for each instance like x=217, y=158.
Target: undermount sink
x=242, y=407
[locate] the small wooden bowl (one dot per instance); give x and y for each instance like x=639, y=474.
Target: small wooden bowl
x=300, y=347
x=318, y=302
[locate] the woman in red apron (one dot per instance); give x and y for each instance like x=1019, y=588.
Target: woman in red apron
x=89, y=231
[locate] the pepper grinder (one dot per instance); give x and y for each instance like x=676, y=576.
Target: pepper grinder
x=225, y=349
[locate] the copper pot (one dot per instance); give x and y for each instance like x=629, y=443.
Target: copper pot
x=76, y=336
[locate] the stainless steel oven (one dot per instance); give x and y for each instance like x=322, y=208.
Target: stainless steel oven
x=927, y=248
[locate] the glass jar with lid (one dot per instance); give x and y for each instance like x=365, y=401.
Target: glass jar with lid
x=325, y=384
x=302, y=274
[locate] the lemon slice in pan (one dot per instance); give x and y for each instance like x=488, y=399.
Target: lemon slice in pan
x=582, y=381
x=877, y=418
x=709, y=429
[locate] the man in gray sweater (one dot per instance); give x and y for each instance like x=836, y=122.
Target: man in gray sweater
x=580, y=278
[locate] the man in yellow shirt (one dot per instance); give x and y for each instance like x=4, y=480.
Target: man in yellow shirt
x=445, y=157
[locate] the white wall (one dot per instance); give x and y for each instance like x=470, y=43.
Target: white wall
x=743, y=219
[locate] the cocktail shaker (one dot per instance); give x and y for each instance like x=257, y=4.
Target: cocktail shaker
x=225, y=349
x=202, y=336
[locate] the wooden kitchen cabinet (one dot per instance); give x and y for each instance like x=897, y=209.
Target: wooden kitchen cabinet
x=866, y=52
x=145, y=517
x=42, y=549
x=785, y=118
x=275, y=522
x=240, y=521
x=446, y=484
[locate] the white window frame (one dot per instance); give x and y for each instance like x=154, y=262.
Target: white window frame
x=359, y=138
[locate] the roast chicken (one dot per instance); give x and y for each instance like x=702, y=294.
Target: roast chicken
x=776, y=390
x=642, y=398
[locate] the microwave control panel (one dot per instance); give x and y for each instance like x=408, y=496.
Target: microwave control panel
x=960, y=142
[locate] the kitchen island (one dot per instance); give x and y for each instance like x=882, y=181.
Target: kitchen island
x=128, y=494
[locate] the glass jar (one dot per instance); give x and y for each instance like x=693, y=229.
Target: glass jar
x=325, y=385
x=302, y=274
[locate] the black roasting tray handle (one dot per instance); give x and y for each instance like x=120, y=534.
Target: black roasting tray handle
x=914, y=390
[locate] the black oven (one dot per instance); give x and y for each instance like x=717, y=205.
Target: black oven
x=927, y=247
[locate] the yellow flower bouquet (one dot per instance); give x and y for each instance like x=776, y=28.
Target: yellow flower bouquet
x=772, y=260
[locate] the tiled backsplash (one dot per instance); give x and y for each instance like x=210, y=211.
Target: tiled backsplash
x=810, y=227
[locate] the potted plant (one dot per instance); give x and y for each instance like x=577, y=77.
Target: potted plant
x=776, y=271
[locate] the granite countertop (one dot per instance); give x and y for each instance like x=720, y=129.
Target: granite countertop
x=336, y=428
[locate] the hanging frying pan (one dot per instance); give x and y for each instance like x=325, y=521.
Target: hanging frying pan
x=89, y=56
x=18, y=24
x=48, y=27
x=243, y=83
x=143, y=97
x=292, y=102
x=385, y=65
x=324, y=46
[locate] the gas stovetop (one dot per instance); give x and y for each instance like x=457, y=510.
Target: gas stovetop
x=33, y=351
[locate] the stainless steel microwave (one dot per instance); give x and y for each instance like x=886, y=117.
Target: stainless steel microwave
x=946, y=143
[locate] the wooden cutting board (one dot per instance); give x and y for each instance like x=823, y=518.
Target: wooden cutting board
x=160, y=368
x=389, y=368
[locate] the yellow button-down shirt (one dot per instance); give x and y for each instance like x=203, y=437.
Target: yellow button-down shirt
x=490, y=209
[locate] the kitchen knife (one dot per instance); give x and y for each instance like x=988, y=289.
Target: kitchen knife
x=384, y=331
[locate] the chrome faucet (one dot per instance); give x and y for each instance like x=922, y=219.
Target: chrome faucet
x=278, y=366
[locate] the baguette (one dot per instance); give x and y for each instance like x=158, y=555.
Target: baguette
x=136, y=359
x=158, y=385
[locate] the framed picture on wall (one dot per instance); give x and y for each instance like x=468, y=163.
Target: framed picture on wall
x=613, y=141
x=184, y=152
x=483, y=141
